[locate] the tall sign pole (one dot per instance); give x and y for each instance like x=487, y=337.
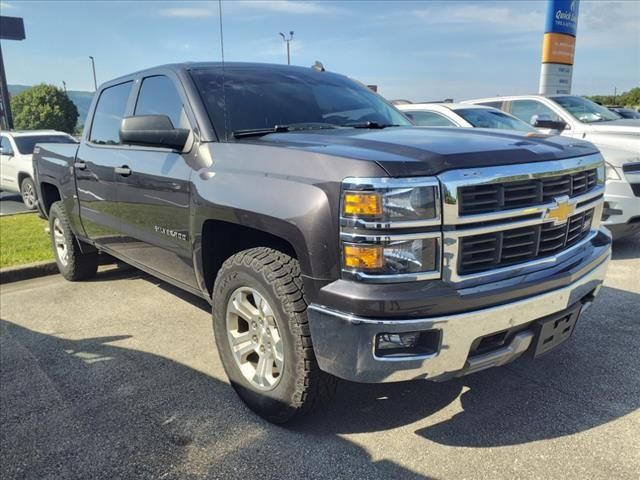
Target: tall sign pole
x=558, y=47
x=11, y=28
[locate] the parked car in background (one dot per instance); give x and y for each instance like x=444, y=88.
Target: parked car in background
x=624, y=112
x=462, y=115
x=16, y=168
x=617, y=138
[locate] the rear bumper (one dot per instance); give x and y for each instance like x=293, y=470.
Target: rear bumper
x=345, y=343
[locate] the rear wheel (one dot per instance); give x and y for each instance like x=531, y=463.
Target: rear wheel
x=263, y=338
x=75, y=262
x=28, y=192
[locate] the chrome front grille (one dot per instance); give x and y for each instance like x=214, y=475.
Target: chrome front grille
x=517, y=245
x=509, y=220
x=485, y=198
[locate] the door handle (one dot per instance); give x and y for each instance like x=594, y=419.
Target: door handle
x=80, y=165
x=123, y=170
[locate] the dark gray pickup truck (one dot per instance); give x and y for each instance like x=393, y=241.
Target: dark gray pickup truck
x=332, y=237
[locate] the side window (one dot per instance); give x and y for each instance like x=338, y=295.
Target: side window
x=158, y=96
x=429, y=119
x=497, y=105
x=111, y=108
x=531, y=110
x=6, y=146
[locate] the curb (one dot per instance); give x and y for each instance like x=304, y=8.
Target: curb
x=9, y=214
x=25, y=272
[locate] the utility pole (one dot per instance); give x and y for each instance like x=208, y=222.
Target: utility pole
x=11, y=28
x=93, y=66
x=288, y=42
x=64, y=86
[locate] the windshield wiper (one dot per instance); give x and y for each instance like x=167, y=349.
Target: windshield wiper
x=369, y=124
x=293, y=127
x=255, y=132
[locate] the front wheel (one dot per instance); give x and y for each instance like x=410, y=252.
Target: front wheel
x=28, y=192
x=74, y=263
x=262, y=334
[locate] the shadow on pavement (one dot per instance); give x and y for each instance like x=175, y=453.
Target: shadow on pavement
x=626, y=248
x=91, y=409
x=590, y=381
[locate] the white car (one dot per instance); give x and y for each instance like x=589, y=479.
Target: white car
x=16, y=169
x=461, y=115
x=618, y=139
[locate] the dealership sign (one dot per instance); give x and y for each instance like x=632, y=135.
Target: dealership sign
x=562, y=17
x=558, y=46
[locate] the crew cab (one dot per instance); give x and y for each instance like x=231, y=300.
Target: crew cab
x=16, y=166
x=617, y=139
x=333, y=238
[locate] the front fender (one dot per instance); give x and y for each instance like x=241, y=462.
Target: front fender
x=284, y=192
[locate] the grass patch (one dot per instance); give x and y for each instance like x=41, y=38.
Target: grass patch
x=23, y=240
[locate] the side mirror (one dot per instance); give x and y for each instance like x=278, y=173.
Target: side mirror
x=550, y=124
x=152, y=131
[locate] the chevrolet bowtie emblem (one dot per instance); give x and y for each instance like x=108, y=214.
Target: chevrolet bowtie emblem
x=561, y=211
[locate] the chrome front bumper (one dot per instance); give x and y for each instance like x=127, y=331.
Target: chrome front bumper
x=345, y=344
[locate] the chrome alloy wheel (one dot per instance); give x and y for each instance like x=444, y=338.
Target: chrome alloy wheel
x=60, y=242
x=29, y=195
x=255, y=341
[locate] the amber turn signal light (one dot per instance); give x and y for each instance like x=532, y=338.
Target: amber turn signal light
x=362, y=203
x=360, y=257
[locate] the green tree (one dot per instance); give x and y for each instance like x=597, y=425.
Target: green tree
x=44, y=107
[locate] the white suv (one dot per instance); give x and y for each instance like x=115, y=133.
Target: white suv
x=16, y=169
x=618, y=139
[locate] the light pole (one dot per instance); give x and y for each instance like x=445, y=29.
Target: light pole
x=93, y=66
x=64, y=86
x=287, y=41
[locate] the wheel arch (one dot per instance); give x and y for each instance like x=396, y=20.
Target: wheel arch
x=220, y=239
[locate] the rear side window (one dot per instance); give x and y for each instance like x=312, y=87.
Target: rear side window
x=111, y=107
x=158, y=96
x=6, y=146
x=429, y=119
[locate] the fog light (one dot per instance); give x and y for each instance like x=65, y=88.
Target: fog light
x=398, y=340
x=408, y=344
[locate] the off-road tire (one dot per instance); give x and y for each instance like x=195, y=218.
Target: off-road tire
x=82, y=260
x=276, y=276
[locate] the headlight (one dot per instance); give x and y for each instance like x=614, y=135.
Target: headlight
x=393, y=255
x=611, y=173
x=393, y=205
x=394, y=202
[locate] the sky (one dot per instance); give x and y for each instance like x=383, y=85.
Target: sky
x=417, y=50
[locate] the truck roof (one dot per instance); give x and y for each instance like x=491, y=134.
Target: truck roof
x=28, y=133
x=186, y=66
x=515, y=97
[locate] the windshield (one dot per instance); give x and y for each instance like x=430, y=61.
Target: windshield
x=26, y=144
x=490, y=118
x=585, y=110
x=627, y=113
x=303, y=99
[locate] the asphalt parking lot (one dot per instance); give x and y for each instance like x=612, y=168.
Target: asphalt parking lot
x=11, y=203
x=119, y=378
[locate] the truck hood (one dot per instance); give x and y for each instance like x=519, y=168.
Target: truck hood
x=618, y=134
x=627, y=126
x=413, y=151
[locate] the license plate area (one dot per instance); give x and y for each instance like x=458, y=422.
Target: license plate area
x=555, y=330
